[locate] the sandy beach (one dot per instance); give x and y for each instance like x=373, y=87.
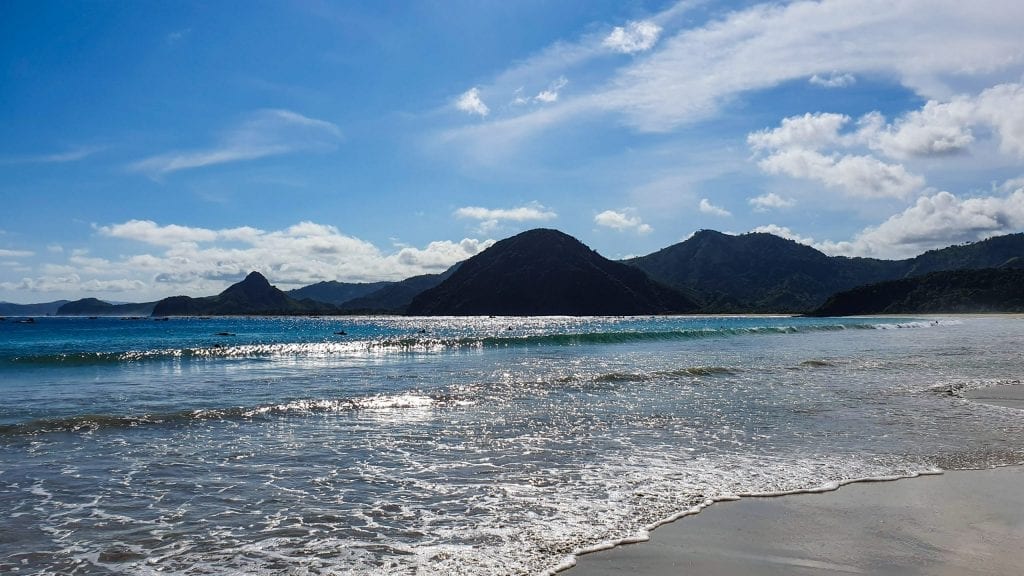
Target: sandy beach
x=957, y=523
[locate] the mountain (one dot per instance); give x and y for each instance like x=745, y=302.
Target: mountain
x=760, y=272
x=397, y=296
x=547, y=272
x=41, y=309
x=94, y=307
x=985, y=290
x=997, y=252
x=254, y=295
x=336, y=292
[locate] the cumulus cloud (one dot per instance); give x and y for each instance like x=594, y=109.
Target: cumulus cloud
x=4, y=253
x=633, y=37
x=858, y=176
x=784, y=232
x=833, y=80
x=794, y=149
x=770, y=201
x=201, y=261
x=491, y=218
x=471, y=103
x=624, y=220
x=1002, y=107
x=262, y=134
x=810, y=131
x=834, y=150
x=933, y=222
x=936, y=129
x=707, y=207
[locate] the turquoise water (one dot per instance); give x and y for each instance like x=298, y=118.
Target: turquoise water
x=457, y=445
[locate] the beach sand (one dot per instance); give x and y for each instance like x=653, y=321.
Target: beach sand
x=1011, y=396
x=959, y=523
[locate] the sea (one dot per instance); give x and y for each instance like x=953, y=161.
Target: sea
x=458, y=446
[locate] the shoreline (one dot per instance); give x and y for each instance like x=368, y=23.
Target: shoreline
x=964, y=522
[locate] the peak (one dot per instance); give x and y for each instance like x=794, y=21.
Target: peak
x=541, y=233
x=256, y=278
x=254, y=283
x=707, y=232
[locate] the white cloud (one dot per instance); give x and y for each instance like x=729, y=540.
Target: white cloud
x=1002, y=107
x=810, y=131
x=784, y=232
x=770, y=201
x=624, y=220
x=858, y=176
x=152, y=233
x=707, y=207
x=936, y=129
x=441, y=255
x=818, y=147
x=471, y=103
x=4, y=253
x=833, y=80
x=264, y=133
x=793, y=149
x=200, y=261
x=551, y=94
x=936, y=48
x=633, y=37
x=934, y=222
x=529, y=212
x=924, y=44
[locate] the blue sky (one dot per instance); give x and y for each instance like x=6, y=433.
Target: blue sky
x=151, y=149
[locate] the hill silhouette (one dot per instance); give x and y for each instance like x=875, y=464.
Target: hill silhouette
x=96, y=307
x=333, y=292
x=547, y=272
x=40, y=309
x=953, y=291
x=396, y=297
x=760, y=272
x=254, y=295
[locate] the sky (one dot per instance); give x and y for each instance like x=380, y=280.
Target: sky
x=150, y=149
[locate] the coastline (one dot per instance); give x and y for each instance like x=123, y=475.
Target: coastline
x=962, y=522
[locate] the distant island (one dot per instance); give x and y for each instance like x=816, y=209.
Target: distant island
x=548, y=272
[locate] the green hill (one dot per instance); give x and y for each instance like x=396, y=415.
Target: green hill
x=760, y=272
x=547, y=272
x=955, y=291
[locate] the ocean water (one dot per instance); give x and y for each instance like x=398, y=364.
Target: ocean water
x=483, y=446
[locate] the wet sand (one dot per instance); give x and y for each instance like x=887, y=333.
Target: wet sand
x=962, y=523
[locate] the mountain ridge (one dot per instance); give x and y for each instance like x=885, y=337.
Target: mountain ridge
x=253, y=295
x=714, y=272
x=760, y=272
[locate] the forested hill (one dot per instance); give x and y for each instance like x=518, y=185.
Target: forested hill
x=541, y=272
x=760, y=272
x=955, y=291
